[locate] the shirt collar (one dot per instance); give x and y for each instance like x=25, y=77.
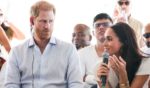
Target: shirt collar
x=52, y=41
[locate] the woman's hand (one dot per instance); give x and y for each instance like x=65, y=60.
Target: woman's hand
x=119, y=66
x=103, y=70
x=4, y=40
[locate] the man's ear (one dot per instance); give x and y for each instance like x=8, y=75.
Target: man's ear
x=90, y=37
x=32, y=20
x=93, y=32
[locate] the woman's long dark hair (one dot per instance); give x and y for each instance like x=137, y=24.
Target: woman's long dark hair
x=129, y=50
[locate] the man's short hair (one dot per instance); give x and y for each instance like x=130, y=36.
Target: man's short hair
x=41, y=5
x=83, y=26
x=102, y=16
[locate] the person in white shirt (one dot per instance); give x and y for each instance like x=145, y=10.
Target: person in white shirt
x=146, y=38
x=91, y=55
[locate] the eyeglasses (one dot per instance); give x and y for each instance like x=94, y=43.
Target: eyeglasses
x=146, y=35
x=121, y=3
x=105, y=24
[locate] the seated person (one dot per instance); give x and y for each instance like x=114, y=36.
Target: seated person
x=91, y=55
x=146, y=38
x=81, y=36
x=127, y=67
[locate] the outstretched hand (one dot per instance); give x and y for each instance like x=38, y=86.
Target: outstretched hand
x=119, y=66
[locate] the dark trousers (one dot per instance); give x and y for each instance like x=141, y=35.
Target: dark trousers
x=94, y=86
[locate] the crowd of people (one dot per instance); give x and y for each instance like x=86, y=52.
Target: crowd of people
x=43, y=61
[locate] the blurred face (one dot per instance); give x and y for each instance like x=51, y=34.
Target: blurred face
x=81, y=38
x=43, y=25
x=100, y=28
x=112, y=43
x=146, y=35
x=123, y=5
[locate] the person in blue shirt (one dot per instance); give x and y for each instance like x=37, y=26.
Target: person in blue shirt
x=43, y=61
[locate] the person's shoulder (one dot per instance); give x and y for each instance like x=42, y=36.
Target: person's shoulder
x=144, y=66
x=135, y=21
x=87, y=49
x=63, y=44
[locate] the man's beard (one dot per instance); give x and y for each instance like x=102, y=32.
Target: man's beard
x=83, y=44
x=148, y=44
x=78, y=46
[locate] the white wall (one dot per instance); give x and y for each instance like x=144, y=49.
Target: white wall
x=68, y=13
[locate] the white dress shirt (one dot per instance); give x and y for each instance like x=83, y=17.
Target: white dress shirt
x=57, y=67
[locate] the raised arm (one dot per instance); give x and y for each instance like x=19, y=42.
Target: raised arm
x=119, y=66
x=17, y=33
x=4, y=40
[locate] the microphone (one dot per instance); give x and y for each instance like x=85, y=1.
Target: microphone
x=105, y=60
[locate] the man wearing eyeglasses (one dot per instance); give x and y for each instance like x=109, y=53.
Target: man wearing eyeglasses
x=92, y=55
x=122, y=14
